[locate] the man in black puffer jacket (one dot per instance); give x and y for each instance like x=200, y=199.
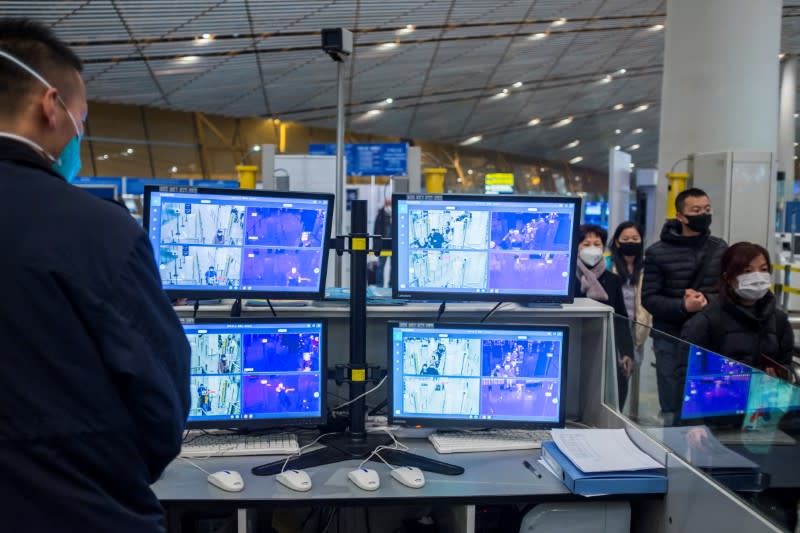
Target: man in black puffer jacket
x=681, y=272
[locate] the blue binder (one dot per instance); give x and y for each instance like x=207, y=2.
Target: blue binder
x=598, y=483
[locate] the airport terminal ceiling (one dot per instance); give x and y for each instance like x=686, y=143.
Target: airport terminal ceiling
x=556, y=79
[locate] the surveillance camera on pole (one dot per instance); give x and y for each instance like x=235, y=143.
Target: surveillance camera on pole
x=337, y=43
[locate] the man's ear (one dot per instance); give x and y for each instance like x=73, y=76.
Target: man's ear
x=49, y=106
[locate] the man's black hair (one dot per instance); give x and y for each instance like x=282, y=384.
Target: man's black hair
x=680, y=200
x=37, y=46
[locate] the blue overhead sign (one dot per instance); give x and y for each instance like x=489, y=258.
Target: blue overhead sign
x=390, y=159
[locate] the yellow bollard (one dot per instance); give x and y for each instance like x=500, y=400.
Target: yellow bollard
x=247, y=176
x=676, y=185
x=434, y=179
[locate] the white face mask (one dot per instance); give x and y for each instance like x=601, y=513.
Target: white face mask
x=753, y=286
x=591, y=255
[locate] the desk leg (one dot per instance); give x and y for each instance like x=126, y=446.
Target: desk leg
x=244, y=521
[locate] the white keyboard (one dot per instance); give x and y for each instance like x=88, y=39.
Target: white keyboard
x=232, y=444
x=488, y=441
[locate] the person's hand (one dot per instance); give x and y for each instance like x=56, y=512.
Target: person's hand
x=627, y=365
x=697, y=439
x=694, y=301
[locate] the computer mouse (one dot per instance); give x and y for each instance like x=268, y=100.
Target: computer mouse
x=229, y=480
x=365, y=478
x=297, y=480
x=410, y=476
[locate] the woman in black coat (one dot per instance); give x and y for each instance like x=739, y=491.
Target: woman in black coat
x=745, y=323
x=599, y=284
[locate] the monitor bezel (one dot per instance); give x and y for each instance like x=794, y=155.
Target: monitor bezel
x=97, y=186
x=458, y=423
x=434, y=295
x=238, y=293
x=254, y=424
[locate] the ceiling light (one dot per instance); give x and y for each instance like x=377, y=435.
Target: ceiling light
x=796, y=115
x=174, y=169
x=373, y=113
x=573, y=144
x=535, y=122
x=639, y=109
x=657, y=27
x=606, y=79
x=797, y=144
x=505, y=91
x=781, y=55
x=502, y=94
x=563, y=122
x=537, y=36
x=619, y=106
x=276, y=120
x=617, y=148
x=388, y=101
x=469, y=172
x=576, y=160
x=387, y=46
x=188, y=59
x=472, y=140
x=637, y=131
x=617, y=131
x=559, y=22
x=632, y=165
x=257, y=148
x=405, y=31
x=129, y=150
x=206, y=36
x=634, y=147
x=517, y=84
x=622, y=71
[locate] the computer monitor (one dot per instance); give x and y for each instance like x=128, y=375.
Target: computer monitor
x=468, y=375
x=256, y=373
x=233, y=243
x=106, y=192
x=716, y=388
x=499, y=248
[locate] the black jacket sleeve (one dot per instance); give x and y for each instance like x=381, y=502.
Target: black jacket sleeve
x=697, y=331
x=147, y=356
x=786, y=341
x=616, y=299
x=666, y=308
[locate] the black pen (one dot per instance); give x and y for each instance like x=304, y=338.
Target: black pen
x=531, y=468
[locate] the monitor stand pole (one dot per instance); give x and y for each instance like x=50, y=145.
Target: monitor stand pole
x=357, y=443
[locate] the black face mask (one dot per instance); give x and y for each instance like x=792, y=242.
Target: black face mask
x=699, y=223
x=630, y=248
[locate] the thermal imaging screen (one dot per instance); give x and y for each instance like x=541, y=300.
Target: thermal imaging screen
x=255, y=371
x=222, y=242
x=504, y=247
x=715, y=385
x=454, y=374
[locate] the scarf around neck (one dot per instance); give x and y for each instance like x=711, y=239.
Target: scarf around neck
x=589, y=280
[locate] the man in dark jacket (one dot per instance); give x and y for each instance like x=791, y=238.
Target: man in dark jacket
x=681, y=273
x=383, y=227
x=95, y=364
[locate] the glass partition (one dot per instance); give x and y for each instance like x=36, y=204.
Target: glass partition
x=738, y=424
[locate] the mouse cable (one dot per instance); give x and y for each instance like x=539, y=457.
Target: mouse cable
x=299, y=452
x=396, y=445
x=376, y=387
x=197, y=466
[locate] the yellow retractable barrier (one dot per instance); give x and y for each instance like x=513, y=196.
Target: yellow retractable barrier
x=677, y=184
x=247, y=176
x=434, y=179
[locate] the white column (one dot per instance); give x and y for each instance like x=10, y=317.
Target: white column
x=786, y=131
x=720, y=82
x=619, y=188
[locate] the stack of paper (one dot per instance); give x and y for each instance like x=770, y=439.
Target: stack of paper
x=594, y=462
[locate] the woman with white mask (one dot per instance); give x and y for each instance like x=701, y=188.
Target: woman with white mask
x=599, y=284
x=745, y=323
